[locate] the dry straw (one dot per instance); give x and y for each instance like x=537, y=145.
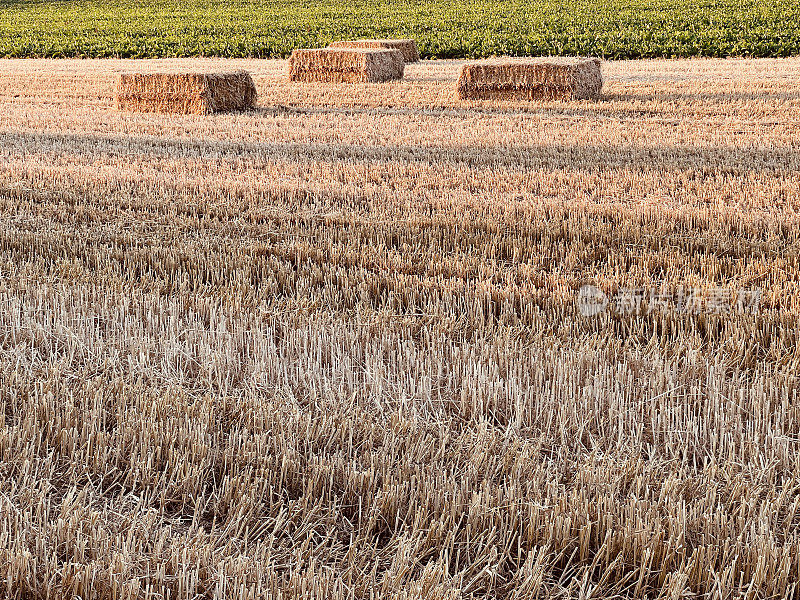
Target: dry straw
x=531, y=79
x=346, y=65
x=407, y=47
x=185, y=93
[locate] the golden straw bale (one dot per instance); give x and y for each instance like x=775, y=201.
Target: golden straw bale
x=531, y=79
x=185, y=93
x=407, y=47
x=346, y=65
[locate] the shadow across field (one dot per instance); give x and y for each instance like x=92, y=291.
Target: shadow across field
x=710, y=161
x=717, y=98
x=595, y=111
x=614, y=106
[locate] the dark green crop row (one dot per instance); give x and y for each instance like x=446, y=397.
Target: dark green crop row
x=443, y=28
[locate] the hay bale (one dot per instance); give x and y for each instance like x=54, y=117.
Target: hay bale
x=185, y=93
x=531, y=79
x=346, y=65
x=407, y=47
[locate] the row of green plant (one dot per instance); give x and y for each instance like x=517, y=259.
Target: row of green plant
x=613, y=29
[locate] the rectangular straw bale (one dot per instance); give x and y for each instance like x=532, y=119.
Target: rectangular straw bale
x=407, y=47
x=346, y=65
x=185, y=93
x=531, y=79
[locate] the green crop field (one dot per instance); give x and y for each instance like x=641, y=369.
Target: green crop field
x=444, y=29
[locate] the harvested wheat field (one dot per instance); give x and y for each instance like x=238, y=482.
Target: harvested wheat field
x=332, y=347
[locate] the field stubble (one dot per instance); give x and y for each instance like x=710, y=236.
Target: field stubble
x=329, y=348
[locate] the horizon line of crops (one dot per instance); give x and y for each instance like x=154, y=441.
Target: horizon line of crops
x=463, y=29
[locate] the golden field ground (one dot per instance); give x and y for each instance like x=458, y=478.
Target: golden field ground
x=330, y=348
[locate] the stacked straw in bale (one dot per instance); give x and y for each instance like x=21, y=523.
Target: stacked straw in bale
x=185, y=93
x=346, y=65
x=531, y=79
x=407, y=47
